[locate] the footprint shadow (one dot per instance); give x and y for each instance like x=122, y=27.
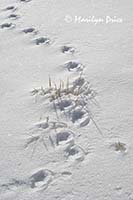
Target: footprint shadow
x=64, y=137
x=75, y=152
x=67, y=49
x=38, y=181
x=7, y=26
x=74, y=66
x=42, y=40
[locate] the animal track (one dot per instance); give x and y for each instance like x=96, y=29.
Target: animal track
x=74, y=110
x=74, y=66
x=80, y=116
x=67, y=99
x=28, y=30
x=57, y=138
x=41, y=129
x=13, y=16
x=64, y=104
x=72, y=99
x=42, y=40
x=10, y=8
x=40, y=179
x=67, y=49
x=83, y=87
x=37, y=181
x=7, y=25
x=77, y=114
x=75, y=152
x=25, y=0
x=64, y=137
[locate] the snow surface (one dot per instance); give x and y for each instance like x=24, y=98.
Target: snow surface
x=78, y=146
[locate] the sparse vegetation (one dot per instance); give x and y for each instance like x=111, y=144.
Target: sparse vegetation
x=68, y=97
x=73, y=99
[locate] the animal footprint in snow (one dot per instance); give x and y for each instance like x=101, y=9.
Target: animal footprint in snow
x=64, y=137
x=119, y=147
x=81, y=86
x=25, y=1
x=80, y=117
x=37, y=181
x=29, y=30
x=13, y=16
x=7, y=25
x=75, y=152
x=40, y=179
x=67, y=49
x=10, y=8
x=70, y=99
x=42, y=40
x=64, y=104
x=74, y=66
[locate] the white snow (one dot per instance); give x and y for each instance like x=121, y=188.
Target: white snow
x=66, y=100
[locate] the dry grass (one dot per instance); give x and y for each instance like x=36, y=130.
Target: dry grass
x=79, y=93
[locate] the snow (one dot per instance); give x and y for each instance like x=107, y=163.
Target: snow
x=66, y=100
